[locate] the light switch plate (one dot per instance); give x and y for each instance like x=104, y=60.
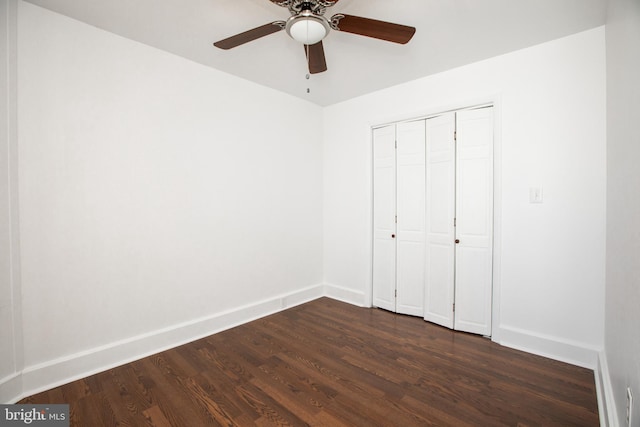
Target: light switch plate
x=535, y=195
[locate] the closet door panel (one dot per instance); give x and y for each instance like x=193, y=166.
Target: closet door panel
x=474, y=205
x=473, y=290
x=410, y=169
x=384, y=212
x=440, y=211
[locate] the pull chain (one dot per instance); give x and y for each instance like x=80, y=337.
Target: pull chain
x=307, y=76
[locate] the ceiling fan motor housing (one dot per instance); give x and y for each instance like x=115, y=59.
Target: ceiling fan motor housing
x=318, y=7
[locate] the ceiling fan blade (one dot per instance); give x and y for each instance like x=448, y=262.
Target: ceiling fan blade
x=373, y=28
x=247, y=36
x=315, y=57
x=283, y=3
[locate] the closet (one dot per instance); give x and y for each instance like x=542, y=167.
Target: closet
x=433, y=218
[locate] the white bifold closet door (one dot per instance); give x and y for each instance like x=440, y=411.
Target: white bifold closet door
x=399, y=217
x=384, y=217
x=441, y=208
x=459, y=220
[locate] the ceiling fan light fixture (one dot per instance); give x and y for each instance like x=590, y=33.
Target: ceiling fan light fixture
x=307, y=28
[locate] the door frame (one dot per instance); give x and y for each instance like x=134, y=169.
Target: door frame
x=429, y=112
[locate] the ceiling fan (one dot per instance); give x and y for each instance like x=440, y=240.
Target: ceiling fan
x=308, y=26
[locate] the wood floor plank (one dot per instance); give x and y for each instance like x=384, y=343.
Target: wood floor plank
x=327, y=363
x=155, y=417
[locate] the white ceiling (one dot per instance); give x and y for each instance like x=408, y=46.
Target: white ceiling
x=449, y=33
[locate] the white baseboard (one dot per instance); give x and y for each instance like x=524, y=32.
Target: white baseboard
x=45, y=376
x=552, y=347
x=349, y=296
x=604, y=390
x=11, y=388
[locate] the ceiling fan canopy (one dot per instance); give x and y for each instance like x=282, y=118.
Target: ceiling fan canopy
x=308, y=26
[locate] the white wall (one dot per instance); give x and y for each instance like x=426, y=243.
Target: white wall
x=623, y=205
x=10, y=314
x=6, y=336
x=551, y=109
x=160, y=200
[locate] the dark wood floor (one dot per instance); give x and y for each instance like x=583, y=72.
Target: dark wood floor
x=326, y=363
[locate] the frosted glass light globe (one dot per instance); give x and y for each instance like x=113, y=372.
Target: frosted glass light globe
x=307, y=28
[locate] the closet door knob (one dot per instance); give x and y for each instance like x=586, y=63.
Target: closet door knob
x=457, y=240
x=393, y=236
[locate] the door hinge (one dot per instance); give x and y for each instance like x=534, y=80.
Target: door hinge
x=396, y=219
x=396, y=143
x=454, y=222
x=455, y=135
x=454, y=307
x=395, y=294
